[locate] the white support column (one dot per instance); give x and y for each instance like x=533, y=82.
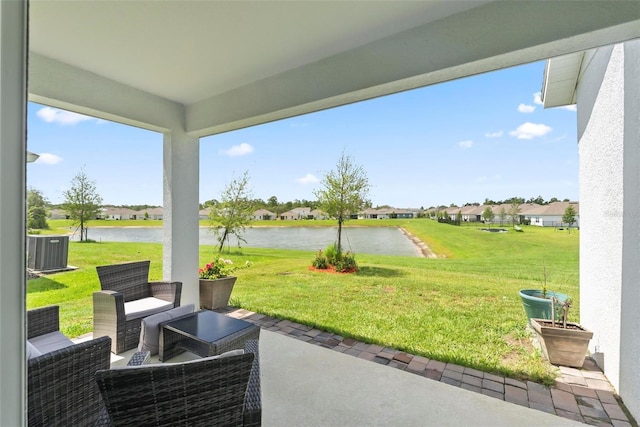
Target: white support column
x=629, y=383
x=609, y=133
x=13, y=95
x=181, y=206
x=602, y=202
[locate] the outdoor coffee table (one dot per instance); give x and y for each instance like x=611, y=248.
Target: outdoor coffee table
x=204, y=333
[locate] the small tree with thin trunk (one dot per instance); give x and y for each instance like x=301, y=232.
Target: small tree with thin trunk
x=344, y=191
x=488, y=215
x=503, y=214
x=234, y=212
x=82, y=202
x=514, y=213
x=569, y=216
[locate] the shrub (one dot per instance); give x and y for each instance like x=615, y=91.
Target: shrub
x=332, y=254
x=320, y=261
x=347, y=263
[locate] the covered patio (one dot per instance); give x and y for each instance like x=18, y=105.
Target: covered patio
x=306, y=375
x=190, y=69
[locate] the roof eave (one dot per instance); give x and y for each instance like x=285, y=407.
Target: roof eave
x=561, y=75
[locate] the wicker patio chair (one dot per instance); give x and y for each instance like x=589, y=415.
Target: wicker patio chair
x=204, y=392
x=61, y=388
x=123, y=285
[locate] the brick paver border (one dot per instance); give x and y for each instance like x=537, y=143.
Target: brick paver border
x=583, y=395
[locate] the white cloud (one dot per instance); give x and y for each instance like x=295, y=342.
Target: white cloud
x=465, y=144
x=239, y=150
x=573, y=107
x=308, y=179
x=530, y=130
x=524, y=108
x=537, y=98
x=54, y=115
x=49, y=159
x=494, y=134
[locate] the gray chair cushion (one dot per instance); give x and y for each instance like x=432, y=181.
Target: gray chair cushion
x=150, y=330
x=32, y=351
x=144, y=307
x=49, y=342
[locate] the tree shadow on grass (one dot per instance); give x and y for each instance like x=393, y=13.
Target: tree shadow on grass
x=379, y=272
x=43, y=284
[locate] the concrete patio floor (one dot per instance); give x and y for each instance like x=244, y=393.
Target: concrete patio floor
x=314, y=378
x=308, y=385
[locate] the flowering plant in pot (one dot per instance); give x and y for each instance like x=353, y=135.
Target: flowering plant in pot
x=216, y=282
x=563, y=343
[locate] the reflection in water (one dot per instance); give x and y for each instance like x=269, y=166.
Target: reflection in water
x=368, y=240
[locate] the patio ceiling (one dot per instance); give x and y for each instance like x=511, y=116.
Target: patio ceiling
x=225, y=65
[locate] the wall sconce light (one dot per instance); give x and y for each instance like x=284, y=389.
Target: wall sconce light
x=32, y=157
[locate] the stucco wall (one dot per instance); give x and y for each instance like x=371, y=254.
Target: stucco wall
x=601, y=150
x=608, y=123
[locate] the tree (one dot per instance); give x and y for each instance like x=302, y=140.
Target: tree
x=569, y=216
x=345, y=190
x=538, y=200
x=502, y=214
x=36, y=210
x=459, y=217
x=82, y=202
x=488, y=215
x=234, y=211
x=514, y=212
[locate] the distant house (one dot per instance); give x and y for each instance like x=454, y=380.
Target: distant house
x=111, y=213
x=263, y=215
x=371, y=213
x=296, y=214
x=384, y=213
x=403, y=213
x=501, y=213
x=551, y=215
x=318, y=214
x=58, y=214
x=204, y=213
x=452, y=212
x=151, y=213
x=472, y=213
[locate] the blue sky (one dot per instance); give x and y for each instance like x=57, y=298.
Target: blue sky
x=480, y=137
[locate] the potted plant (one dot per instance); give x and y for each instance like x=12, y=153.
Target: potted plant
x=563, y=343
x=216, y=283
x=537, y=303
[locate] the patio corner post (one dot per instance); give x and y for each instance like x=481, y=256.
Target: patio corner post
x=608, y=95
x=628, y=388
x=181, y=176
x=13, y=100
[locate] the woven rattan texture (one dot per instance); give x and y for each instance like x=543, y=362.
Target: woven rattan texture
x=209, y=392
x=121, y=283
x=61, y=389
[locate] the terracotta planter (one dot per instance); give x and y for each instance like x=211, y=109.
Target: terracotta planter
x=215, y=293
x=566, y=347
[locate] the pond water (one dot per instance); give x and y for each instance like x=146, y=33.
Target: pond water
x=361, y=240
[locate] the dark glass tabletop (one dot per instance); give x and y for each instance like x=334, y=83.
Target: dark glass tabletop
x=208, y=325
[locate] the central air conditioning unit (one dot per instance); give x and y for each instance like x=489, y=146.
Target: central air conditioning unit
x=46, y=253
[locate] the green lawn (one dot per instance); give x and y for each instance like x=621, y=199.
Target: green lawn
x=462, y=307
